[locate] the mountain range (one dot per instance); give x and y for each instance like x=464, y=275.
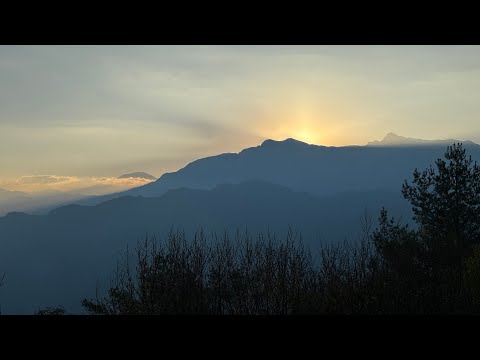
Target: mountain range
x=57, y=258
x=319, y=170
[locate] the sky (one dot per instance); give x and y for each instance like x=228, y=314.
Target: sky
x=79, y=116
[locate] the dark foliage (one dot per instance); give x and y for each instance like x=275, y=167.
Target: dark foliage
x=59, y=310
x=434, y=267
x=242, y=276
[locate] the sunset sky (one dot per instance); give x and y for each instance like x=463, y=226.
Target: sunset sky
x=87, y=114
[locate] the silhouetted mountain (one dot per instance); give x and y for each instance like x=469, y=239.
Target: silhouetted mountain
x=319, y=170
x=138, y=175
x=57, y=258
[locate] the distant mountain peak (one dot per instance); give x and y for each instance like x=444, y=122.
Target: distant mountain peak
x=392, y=139
x=392, y=136
x=138, y=175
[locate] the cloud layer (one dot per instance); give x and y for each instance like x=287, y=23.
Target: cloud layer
x=81, y=185
x=45, y=179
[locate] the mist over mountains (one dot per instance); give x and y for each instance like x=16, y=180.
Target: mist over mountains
x=41, y=202
x=57, y=258
x=35, y=203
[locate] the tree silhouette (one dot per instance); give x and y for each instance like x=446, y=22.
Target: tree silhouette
x=427, y=266
x=446, y=202
x=401, y=266
x=246, y=275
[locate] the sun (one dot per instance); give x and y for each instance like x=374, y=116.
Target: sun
x=305, y=135
x=292, y=129
x=303, y=123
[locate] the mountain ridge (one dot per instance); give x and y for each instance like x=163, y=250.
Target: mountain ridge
x=301, y=166
x=392, y=139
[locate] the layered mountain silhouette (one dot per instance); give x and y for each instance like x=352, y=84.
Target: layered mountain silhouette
x=58, y=258
x=315, y=169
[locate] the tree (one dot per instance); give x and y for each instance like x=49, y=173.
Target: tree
x=401, y=267
x=194, y=276
x=446, y=203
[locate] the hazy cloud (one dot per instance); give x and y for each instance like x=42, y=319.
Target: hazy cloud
x=45, y=179
x=83, y=185
x=118, y=182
